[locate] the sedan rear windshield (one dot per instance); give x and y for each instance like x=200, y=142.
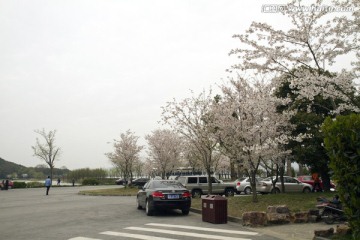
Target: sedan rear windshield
x=167, y=184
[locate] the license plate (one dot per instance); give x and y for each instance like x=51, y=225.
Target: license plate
x=173, y=196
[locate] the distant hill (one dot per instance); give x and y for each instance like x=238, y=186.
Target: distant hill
x=16, y=170
x=7, y=168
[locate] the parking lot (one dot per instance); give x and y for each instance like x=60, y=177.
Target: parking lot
x=30, y=214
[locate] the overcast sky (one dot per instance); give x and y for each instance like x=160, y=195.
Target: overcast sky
x=92, y=69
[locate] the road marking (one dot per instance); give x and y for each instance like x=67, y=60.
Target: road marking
x=83, y=238
x=203, y=229
x=203, y=236
x=138, y=236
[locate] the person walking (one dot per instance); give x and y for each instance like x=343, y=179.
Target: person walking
x=316, y=179
x=48, y=184
x=6, y=184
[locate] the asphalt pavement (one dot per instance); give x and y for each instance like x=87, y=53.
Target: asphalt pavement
x=64, y=214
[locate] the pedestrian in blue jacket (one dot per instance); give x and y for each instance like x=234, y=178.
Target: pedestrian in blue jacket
x=47, y=185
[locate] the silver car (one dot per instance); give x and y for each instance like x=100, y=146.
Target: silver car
x=291, y=185
x=243, y=185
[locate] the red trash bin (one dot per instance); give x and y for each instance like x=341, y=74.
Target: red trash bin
x=214, y=209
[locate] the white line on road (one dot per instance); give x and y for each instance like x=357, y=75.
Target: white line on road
x=138, y=236
x=83, y=238
x=203, y=236
x=203, y=229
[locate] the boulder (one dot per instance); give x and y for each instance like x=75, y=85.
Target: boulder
x=278, y=214
x=254, y=219
x=300, y=217
x=324, y=233
x=343, y=229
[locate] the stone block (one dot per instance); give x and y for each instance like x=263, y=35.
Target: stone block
x=301, y=217
x=278, y=214
x=343, y=229
x=254, y=219
x=324, y=233
x=314, y=219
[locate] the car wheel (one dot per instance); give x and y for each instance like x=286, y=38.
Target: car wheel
x=229, y=192
x=306, y=190
x=185, y=211
x=138, y=204
x=149, y=208
x=247, y=190
x=196, y=193
x=275, y=191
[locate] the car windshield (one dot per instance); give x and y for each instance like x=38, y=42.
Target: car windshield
x=167, y=184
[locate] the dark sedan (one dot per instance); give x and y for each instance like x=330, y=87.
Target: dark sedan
x=139, y=182
x=163, y=194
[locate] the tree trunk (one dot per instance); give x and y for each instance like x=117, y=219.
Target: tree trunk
x=232, y=170
x=281, y=173
x=253, y=187
x=326, y=180
x=288, y=167
x=208, y=171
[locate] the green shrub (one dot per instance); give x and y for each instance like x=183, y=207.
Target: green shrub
x=342, y=142
x=35, y=184
x=90, y=181
x=19, y=185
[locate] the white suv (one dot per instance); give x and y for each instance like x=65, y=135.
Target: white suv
x=198, y=185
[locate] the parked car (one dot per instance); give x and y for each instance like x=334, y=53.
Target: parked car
x=243, y=185
x=139, y=182
x=120, y=181
x=198, y=185
x=291, y=185
x=10, y=185
x=163, y=194
x=309, y=180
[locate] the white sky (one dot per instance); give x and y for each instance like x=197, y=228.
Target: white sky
x=92, y=69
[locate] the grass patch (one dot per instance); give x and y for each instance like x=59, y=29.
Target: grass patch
x=296, y=202
x=129, y=191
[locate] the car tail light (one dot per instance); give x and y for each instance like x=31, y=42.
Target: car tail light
x=238, y=184
x=186, y=194
x=158, y=194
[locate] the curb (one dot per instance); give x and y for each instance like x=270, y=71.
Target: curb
x=229, y=218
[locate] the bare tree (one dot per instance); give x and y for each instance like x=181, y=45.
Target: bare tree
x=47, y=151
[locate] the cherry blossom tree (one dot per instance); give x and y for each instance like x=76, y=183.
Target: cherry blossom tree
x=191, y=156
x=249, y=125
x=126, y=153
x=164, y=150
x=303, y=52
x=302, y=57
x=192, y=119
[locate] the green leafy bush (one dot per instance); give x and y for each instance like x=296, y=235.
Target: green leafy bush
x=35, y=184
x=19, y=185
x=342, y=142
x=90, y=181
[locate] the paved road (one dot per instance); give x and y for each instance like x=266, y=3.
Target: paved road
x=30, y=214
